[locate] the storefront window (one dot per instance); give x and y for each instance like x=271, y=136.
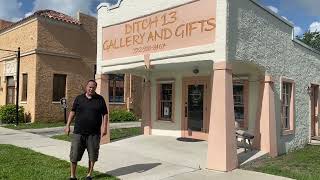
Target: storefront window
x=238, y=93
x=165, y=106
x=116, y=88
x=286, y=101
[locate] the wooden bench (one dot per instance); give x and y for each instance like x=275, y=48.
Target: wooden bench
x=245, y=135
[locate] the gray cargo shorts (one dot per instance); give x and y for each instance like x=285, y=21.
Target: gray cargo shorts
x=80, y=143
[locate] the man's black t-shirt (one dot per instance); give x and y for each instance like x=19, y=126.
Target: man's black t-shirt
x=89, y=113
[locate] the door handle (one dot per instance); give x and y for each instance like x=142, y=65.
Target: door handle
x=186, y=110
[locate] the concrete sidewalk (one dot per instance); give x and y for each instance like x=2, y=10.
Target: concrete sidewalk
x=119, y=160
x=59, y=130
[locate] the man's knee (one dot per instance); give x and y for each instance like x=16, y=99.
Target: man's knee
x=93, y=147
x=77, y=148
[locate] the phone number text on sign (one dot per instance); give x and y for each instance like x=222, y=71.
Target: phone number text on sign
x=149, y=48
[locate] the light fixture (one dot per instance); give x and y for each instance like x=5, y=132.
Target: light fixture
x=196, y=70
x=309, y=90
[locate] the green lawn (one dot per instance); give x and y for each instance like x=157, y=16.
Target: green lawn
x=116, y=134
x=20, y=163
x=303, y=164
x=37, y=125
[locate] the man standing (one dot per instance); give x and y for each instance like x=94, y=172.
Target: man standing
x=90, y=111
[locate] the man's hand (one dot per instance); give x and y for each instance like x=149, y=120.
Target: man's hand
x=67, y=130
x=104, y=132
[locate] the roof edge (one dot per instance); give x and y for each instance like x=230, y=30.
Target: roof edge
x=273, y=13
x=306, y=46
x=109, y=6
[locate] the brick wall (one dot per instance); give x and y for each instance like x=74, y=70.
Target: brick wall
x=77, y=75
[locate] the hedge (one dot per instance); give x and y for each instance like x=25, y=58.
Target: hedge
x=8, y=114
x=122, y=116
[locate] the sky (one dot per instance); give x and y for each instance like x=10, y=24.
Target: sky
x=304, y=14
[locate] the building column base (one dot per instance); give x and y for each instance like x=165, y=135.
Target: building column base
x=146, y=108
x=103, y=89
x=222, y=149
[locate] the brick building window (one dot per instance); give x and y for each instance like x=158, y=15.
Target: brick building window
x=59, y=86
x=116, y=88
x=11, y=88
x=287, y=105
x=24, y=87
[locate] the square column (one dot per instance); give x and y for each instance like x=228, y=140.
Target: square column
x=103, y=89
x=222, y=149
x=266, y=138
x=146, y=108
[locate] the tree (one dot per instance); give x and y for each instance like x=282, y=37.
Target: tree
x=312, y=39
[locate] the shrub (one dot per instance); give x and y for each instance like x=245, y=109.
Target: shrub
x=122, y=116
x=8, y=114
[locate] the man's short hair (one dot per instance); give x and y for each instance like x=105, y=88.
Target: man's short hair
x=91, y=80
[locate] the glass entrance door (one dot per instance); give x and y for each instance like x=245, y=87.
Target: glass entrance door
x=195, y=123
x=195, y=107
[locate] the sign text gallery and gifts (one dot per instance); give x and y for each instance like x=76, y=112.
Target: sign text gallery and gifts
x=171, y=29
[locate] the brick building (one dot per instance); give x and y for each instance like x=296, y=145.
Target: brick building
x=58, y=55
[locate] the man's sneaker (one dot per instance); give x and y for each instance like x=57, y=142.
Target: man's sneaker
x=88, y=178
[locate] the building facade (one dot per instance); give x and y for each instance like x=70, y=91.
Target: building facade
x=211, y=67
x=58, y=56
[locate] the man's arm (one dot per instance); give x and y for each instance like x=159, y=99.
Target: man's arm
x=67, y=128
x=105, y=124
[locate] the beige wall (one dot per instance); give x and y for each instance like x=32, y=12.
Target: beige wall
x=136, y=90
x=28, y=66
x=2, y=85
x=23, y=36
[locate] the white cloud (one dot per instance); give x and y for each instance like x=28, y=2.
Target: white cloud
x=70, y=7
x=298, y=31
x=315, y=26
x=28, y=14
x=274, y=9
x=10, y=10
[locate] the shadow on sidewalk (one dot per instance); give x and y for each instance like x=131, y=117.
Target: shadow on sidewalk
x=137, y=168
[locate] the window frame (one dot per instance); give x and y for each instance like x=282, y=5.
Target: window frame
x=159, y=83
x=65, y=88
x=291, y=129
x=245, y=83
x=115, y=89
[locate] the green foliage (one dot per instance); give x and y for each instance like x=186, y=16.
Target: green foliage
x=21, y=163
x=312, y=39
x=122, y=116
x=116, y=134
x=8, y=114
x=301, y=164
